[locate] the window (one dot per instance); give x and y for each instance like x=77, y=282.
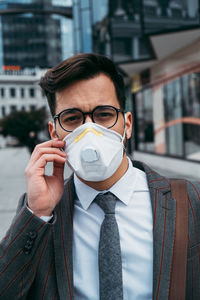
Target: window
x=12, y=92
x=2, y=92
x=122, y=48
x=150, y=11
x=31, y=92
x=3, y=111
x=191, y=110
x=86, y=31
x=32, y=107
x=176, y=13
x=13, y=108
x=84, y=3
x=145, y=130
x=22, y=92
x=173, y=111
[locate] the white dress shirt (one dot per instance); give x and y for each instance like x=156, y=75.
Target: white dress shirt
x=134, y=219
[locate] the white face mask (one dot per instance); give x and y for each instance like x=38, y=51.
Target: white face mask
x=94, y=152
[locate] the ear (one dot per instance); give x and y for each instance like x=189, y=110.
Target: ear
x=52, y=130
x=129, y=123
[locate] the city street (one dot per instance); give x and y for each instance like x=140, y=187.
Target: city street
x=13, y=162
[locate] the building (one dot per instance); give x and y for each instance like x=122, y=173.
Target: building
x=121, y=29
x=19, y=90
x=35, y=33
x=156, y=45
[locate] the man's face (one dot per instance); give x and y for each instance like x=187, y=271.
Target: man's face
x=86, y=95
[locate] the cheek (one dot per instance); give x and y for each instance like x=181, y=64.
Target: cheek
x=119, y=127
x=61, y=134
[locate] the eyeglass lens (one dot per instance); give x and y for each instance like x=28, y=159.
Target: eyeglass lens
x=73, y=118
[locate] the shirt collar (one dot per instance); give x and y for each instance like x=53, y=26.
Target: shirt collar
x=129, y=183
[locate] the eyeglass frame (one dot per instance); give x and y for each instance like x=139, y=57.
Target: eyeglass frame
x=57, y=116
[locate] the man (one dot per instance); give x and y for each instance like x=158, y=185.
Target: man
x=55, y=246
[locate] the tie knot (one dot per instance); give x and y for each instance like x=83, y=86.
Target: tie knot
x=107, y=202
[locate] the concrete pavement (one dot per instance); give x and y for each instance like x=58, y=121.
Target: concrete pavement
x=13, y=162
x=169, y=166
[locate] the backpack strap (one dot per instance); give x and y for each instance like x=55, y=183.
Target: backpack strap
x=179, y=261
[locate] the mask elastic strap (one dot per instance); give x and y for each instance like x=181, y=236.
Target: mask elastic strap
x=54, y=126
x=124, y=134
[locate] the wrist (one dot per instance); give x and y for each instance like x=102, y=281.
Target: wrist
x=40, y=213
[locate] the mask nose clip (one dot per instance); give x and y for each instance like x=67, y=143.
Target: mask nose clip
x=89, y=154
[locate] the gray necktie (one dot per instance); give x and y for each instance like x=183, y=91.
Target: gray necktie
x=110, y=263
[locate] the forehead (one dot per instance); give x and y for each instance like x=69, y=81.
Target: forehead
x=87, y=94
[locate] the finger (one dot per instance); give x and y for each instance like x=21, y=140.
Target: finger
x=42, y=151
x=39, y=166
x=49, y=144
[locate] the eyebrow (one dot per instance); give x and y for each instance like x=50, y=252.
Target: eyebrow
x=72, y=108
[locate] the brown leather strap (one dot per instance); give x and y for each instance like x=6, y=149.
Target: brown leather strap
x=179, y=262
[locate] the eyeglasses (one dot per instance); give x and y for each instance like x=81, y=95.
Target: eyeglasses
x=105, y=115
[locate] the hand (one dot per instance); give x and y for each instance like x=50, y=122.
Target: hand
x=44, y=192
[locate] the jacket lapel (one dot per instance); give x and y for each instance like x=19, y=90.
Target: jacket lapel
x=63, y=235
x=164, y=216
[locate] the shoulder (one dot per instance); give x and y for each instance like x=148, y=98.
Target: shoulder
x=193, y=187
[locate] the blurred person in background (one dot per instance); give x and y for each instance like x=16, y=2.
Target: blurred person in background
x=108, y=231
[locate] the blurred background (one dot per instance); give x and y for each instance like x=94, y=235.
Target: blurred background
x=156, y=47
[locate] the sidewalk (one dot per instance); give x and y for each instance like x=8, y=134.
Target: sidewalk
x=170, y=167
x=13, y=162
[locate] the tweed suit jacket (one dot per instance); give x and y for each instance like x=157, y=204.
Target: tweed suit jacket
x=36, y=257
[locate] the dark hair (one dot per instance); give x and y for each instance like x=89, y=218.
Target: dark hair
x=79, y=67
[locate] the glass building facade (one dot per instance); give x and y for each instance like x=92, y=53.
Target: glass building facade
x=87, y=15
x=175, y=107
x=167, y=116
x=120, y=29
x=35, y=33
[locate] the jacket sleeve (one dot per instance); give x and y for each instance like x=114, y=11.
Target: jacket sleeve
x=17, y=251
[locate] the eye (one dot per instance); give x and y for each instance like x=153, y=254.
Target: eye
x=103, y=114
x=71, y=117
